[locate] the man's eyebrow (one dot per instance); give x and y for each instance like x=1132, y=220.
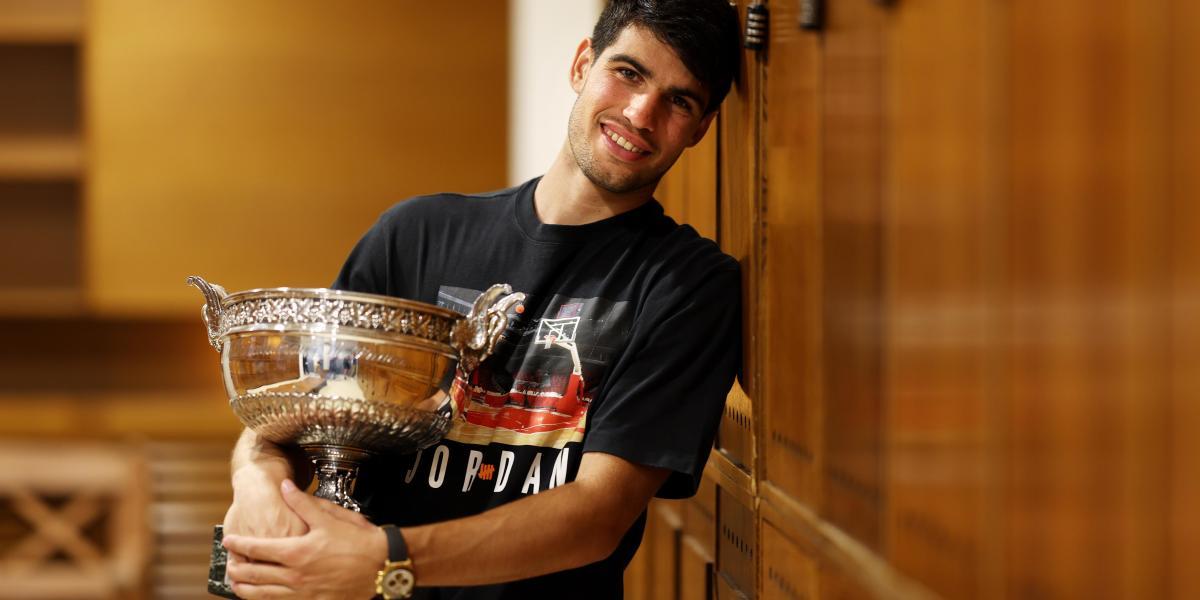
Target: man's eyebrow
x=646, y=73
x=637, y=66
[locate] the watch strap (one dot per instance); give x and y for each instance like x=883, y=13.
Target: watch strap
x=397, y=548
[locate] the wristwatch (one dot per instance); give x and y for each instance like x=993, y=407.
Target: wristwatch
x=396, y=579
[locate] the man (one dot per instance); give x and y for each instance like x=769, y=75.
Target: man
x=607, y=387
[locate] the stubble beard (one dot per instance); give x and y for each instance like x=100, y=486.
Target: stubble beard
x=606, y=180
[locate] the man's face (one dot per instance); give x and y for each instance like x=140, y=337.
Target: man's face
x=638, y=108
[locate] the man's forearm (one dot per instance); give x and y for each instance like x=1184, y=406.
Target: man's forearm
x=552, y=531
x=562, y=528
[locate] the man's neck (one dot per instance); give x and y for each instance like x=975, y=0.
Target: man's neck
x=565, y=196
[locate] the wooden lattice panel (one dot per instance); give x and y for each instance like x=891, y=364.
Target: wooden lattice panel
x=71, y=524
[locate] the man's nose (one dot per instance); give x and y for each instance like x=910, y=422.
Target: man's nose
x=640, y=112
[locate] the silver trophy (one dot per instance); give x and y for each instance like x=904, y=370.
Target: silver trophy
x=344, y=376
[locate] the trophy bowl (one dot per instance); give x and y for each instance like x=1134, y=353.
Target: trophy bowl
x=345, y=375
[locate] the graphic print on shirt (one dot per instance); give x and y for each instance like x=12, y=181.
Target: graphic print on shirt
x=537, y=387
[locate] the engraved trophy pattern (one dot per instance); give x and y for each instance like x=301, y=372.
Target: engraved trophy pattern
x=343, y=375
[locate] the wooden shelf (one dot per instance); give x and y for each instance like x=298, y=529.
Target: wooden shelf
x=41, y=21
x=41, y=302
x=169, y=413
x=41, y=158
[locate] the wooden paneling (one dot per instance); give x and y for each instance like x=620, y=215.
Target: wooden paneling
x=41, y=21
x=120, y=356
x=40, y=161
x=41, y=219
x=943, y=244
x=695, y=571
x=738, y=160
x=189, y=493
x=788, y=572
x=852, y=277
x=792, y=277
x=1087, y=214
x=1184, y=119
x=688, y=192
x=698, y=545
x=653, y=572
x=257, y=143
x=40, y=95
x=737, y=543
x=735, y=438
x=978, y=304
x=836, y=585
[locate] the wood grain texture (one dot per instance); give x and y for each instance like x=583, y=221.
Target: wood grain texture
x=791, y=285
x=738, y=163
x=852, y=275
x=1087, y=212
x=688, y=192
x=943, y=245
x=1184, y=118
x=254, y=144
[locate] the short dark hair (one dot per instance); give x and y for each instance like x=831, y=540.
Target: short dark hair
x=704, y=34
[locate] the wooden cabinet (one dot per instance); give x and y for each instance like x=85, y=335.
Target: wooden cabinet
x=41, y=157
x=967, y=229
x=254, y=145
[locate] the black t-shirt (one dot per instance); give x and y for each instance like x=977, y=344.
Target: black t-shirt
x=627, y=343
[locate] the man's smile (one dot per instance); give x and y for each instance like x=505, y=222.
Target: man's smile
x=622, y=146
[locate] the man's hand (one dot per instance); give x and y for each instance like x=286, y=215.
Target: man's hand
x=258, y=509
x=337, y=558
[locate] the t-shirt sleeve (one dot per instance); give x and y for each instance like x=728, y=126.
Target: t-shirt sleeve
x=666, y=395
x=372, y=266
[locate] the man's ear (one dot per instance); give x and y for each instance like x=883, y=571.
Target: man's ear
x=701, y=129
x=581, y=65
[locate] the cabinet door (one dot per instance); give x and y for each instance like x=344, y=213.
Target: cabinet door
x=942, y=194
x=255, y=143
x=792, y=281
x=1185, y=290
x=852, y=277
x=1087, y=331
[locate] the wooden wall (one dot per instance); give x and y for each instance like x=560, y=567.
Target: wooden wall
x=967, y=231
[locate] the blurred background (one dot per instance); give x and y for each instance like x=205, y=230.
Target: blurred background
x=967, y=231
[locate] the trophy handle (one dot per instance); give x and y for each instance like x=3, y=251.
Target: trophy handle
x=211, y=311
x=475, y=336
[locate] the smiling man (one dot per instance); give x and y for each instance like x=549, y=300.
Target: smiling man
x=606, y=389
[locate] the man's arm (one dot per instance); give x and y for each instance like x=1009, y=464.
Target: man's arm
x=569, y=526
x=256, y=470
x=566, y=527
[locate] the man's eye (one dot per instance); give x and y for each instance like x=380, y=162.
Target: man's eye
x=682, y=103
x=627, y=73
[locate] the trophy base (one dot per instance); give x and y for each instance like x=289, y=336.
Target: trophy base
x=336, y=470
x=218, y=582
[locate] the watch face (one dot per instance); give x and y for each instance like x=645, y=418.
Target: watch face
x=397, y=583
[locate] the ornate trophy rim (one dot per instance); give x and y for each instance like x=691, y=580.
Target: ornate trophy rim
x=329, y=293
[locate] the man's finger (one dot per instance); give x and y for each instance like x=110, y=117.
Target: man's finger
x=260, y=574
x=308, y=507
x=250, y=591
x=274, y=550
x=345, y=514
